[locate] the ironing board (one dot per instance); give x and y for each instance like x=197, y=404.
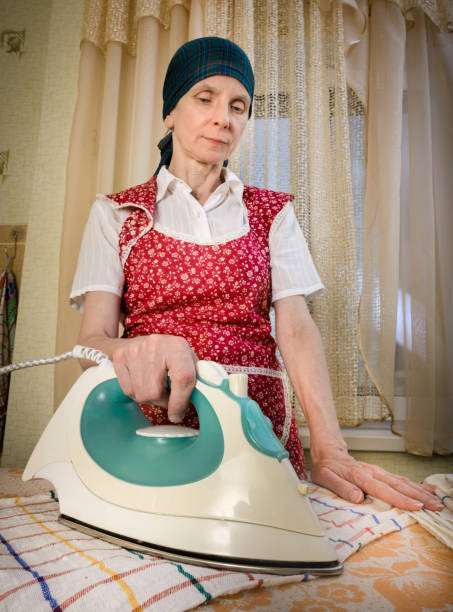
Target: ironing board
x=408, y=569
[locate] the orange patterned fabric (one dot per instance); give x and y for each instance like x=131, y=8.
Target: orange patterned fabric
x=406, y=571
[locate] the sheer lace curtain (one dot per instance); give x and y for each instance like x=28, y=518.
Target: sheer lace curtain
x=125, y=49
x=308, y=137
x=328, y=126
x=407, y=223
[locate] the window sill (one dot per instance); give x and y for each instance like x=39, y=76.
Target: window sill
x=364, y=439
x=371, y=436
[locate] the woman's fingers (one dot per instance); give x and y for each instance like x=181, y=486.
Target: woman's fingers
x=143, y=365
x=351, y=479
x=180, y=363
x=138, y=375
x=410, y=489
x=393, y=495
x=362, y=483
x=123, y=375
x=183, y=379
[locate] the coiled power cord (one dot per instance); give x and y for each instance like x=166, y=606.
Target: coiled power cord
x=78, y=352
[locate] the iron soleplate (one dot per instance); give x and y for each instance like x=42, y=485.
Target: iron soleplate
x=262, y=566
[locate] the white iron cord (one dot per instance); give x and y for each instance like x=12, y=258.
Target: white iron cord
x=78, y=352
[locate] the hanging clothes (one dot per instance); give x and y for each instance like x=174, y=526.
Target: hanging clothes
x=8, y=315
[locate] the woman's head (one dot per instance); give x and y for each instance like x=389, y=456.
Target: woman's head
x=207, y=122
x=195, y=66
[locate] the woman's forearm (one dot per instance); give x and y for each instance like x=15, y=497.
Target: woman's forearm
x=300, y=345
x=99, y=329
x=301, y=348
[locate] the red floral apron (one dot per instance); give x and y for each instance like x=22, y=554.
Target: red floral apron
x=216, y=296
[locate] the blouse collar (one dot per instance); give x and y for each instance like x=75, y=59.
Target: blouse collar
x=168, y=182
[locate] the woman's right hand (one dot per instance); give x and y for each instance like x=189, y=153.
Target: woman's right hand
x=142, y=365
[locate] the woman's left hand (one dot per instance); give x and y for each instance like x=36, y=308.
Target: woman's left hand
x=352, y=480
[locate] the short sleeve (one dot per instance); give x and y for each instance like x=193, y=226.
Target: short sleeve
x=292, y=269
x=99, y=266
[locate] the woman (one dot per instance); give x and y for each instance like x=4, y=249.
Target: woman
x=196, y=259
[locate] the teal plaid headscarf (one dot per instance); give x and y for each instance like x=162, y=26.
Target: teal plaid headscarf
x=197, y=60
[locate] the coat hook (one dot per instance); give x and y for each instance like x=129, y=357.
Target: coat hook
x=14, y=235
x=9, y=258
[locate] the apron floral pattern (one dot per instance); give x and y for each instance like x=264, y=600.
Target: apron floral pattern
x=216, y=296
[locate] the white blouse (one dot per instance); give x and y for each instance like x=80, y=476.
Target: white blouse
x=223, y=217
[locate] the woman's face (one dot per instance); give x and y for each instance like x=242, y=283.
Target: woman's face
x=209, y=119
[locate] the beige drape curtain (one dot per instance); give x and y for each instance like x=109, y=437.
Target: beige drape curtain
x=408, y=216
x=426, y=279
x=126, y=46
x=328, y=126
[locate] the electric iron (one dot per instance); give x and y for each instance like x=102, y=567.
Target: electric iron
x=226, y=496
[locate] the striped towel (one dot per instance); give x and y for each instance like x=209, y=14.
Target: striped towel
x=47, y=566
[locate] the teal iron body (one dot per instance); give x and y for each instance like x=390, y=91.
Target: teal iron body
x=226, y=496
